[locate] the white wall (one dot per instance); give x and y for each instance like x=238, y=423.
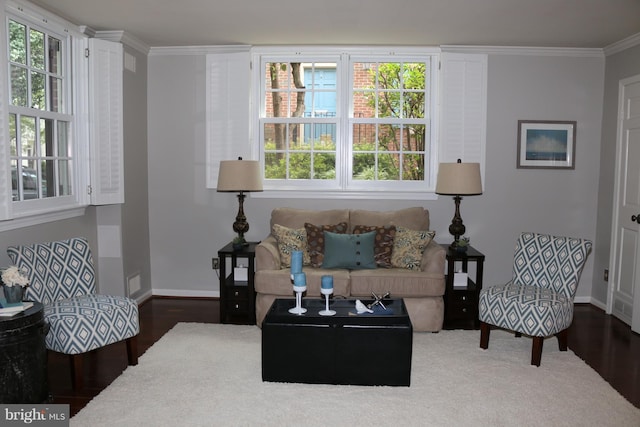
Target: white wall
x=135, y=211
x=618, y=66
x=189, y=223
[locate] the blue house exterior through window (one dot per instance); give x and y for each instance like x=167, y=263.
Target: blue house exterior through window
x=320, y=102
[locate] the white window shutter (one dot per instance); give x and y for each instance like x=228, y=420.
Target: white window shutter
x=463, y=125
x=228, y=83
x=106, y=122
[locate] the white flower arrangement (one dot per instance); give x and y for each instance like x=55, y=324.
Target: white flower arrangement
x=14, y=276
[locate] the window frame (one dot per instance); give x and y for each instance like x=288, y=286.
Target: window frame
x=43, y=209
x=344, y=186
x=66, y=116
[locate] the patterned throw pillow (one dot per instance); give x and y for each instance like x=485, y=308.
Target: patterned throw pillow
x=315, y=239
x=383, y=248
x=408, y=246
x=289, y=240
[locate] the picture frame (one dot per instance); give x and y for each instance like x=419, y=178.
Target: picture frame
x=546, y=144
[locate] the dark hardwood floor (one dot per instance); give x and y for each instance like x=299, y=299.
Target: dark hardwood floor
x=604, y=342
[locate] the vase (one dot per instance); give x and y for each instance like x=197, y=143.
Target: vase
x=13, y=294
x=461, y=249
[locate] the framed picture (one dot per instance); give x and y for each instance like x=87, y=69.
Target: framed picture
x=546, y=144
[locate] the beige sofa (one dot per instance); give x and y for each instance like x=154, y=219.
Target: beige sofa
x=422, y=288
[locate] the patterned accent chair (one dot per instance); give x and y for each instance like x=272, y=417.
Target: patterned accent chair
x=538, y=301
x=62, y=278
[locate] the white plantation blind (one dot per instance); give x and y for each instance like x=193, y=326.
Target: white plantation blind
x=106, y=122
x=463, y=126
x=228, y=83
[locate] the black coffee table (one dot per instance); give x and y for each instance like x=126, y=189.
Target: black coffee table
x=366, y=349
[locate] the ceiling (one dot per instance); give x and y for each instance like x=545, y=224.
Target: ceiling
x=542, y=23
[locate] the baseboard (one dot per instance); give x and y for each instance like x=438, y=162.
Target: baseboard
x=185, y=293
x=142, y=297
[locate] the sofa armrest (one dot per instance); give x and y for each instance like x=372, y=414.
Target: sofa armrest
x=434, y=259
x=267, y=255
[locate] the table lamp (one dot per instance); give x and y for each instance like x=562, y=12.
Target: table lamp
x=241, y=176
x=458, y=179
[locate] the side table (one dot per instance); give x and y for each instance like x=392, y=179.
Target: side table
x=23, y=357
x=237, y=297
x=461, y=304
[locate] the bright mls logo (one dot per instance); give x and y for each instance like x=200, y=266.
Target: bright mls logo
x=36, y=415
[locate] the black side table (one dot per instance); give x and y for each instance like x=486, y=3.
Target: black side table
x=23, y=357
x=461, y=305
x=237, y=297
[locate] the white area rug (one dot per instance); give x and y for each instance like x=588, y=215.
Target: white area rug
x=210, y=375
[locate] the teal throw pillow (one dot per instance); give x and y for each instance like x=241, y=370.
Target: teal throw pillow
x=351, y=251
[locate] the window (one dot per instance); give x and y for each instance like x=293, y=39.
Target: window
x=333, y=124
x=62, y=116
x=299, y=127
x=39, y=114
x=346, y=123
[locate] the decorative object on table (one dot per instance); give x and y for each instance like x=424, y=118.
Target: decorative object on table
x=14, y=281
x=10, y=310
x=240, y=273
x=547, y=144
x=377, y=300
x=296, y=263
x=326, y=289
x=457, y=180
x=462, y=244
x=460, y=280
x=299, y=286
x=361, y=308
x=240, y=176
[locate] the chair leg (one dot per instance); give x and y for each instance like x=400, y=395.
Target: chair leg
x=563, y=339
x=485, y=331
x=132, y=350
x=536, y=350
x=77, y=371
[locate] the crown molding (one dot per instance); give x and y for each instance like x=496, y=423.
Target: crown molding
x=496, y=50
x=197, y=50
x=525, y=50
x=125, y=38
x=623, y=44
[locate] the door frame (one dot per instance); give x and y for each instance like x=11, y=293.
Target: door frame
x=613, y=250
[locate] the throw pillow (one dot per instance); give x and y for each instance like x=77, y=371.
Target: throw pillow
x=383, y=242
x=315, y=239
x=289, y=240
x=408, y=246
x=352, y=251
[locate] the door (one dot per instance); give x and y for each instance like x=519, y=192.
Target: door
x=625, y=288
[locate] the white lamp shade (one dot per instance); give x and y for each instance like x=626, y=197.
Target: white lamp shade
x=239, y=175
x=459, y=179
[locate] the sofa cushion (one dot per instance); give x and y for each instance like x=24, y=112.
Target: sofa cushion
x=408, y=246
x=351, y=251
x=383, y=244
x=289, y=240
x=415, y=218
x=400, y=282
x=315, y=239
x=295, y=218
